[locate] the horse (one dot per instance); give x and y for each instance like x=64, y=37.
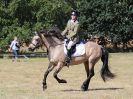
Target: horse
x=54, y=42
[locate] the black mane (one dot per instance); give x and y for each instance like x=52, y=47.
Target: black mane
x=54, y=31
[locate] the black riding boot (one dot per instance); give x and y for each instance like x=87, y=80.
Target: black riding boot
x=68, y=57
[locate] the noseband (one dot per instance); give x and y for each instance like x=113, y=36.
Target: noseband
x=37, y=44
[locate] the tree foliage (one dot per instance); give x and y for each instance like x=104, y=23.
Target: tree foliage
x=111, y=18
x=22, y=17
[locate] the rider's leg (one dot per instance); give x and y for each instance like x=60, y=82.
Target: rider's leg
x=70, y=44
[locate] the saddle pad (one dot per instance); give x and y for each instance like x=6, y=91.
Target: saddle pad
x=80, y=49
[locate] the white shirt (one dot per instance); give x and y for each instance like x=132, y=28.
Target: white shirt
x=13, y=45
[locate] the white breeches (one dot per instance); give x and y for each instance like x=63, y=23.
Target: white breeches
x=70, y=44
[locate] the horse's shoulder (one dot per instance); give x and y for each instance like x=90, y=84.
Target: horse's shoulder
x=91, y=43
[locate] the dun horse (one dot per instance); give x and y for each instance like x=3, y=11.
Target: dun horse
x=54, y=43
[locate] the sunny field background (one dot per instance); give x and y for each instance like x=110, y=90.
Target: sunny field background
x=23, y=80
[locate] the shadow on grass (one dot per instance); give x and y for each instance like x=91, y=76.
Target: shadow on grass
x=95, y=89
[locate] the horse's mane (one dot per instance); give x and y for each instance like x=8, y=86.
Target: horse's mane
x=53, y=32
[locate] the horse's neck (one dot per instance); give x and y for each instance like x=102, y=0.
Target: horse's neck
x=55, y=53
x=51, y=42
x=45, y=42
x=56, y=41
x=54, y=45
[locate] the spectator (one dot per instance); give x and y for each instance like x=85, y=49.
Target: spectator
x=15, y=48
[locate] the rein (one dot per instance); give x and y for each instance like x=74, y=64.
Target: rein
x=33, y=44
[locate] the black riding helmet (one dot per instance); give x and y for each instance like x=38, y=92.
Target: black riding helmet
x=74, y=13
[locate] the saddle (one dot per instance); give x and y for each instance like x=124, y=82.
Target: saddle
x=77, y=50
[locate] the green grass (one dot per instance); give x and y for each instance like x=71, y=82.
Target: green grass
x=23, y=80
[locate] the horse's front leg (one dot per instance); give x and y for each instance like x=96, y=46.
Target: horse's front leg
x=58, y=69
x=50, y=68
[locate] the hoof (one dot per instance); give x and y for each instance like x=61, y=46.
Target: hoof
x=84, y=88
x=62, y=81
x=44, y=87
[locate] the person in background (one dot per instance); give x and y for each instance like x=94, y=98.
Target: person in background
x=15, y=48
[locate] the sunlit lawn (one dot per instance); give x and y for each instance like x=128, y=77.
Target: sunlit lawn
x=23, y=80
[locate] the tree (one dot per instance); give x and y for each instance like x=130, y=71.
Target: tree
x=110, y=18
x=22, y=17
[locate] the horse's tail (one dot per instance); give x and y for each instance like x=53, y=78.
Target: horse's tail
x=105, y=71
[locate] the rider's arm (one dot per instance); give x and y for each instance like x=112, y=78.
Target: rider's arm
x=66, y=30
x=12, y=43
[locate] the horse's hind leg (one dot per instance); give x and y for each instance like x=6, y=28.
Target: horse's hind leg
x=58, y=69
x=89, y=67
x=50, y=68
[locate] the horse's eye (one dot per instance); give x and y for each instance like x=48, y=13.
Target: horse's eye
x=37, y=39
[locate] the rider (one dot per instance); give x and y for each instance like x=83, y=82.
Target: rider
x=72, y=33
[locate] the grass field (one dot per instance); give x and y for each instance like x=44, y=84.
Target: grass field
x=23, y=80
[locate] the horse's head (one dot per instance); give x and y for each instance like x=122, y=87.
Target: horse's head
x=35, y=43
x=52, y=37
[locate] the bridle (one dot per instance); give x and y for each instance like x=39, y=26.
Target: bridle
x=33, y=44
x=36, y=45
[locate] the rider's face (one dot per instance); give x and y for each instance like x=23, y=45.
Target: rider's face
x=73, y=17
